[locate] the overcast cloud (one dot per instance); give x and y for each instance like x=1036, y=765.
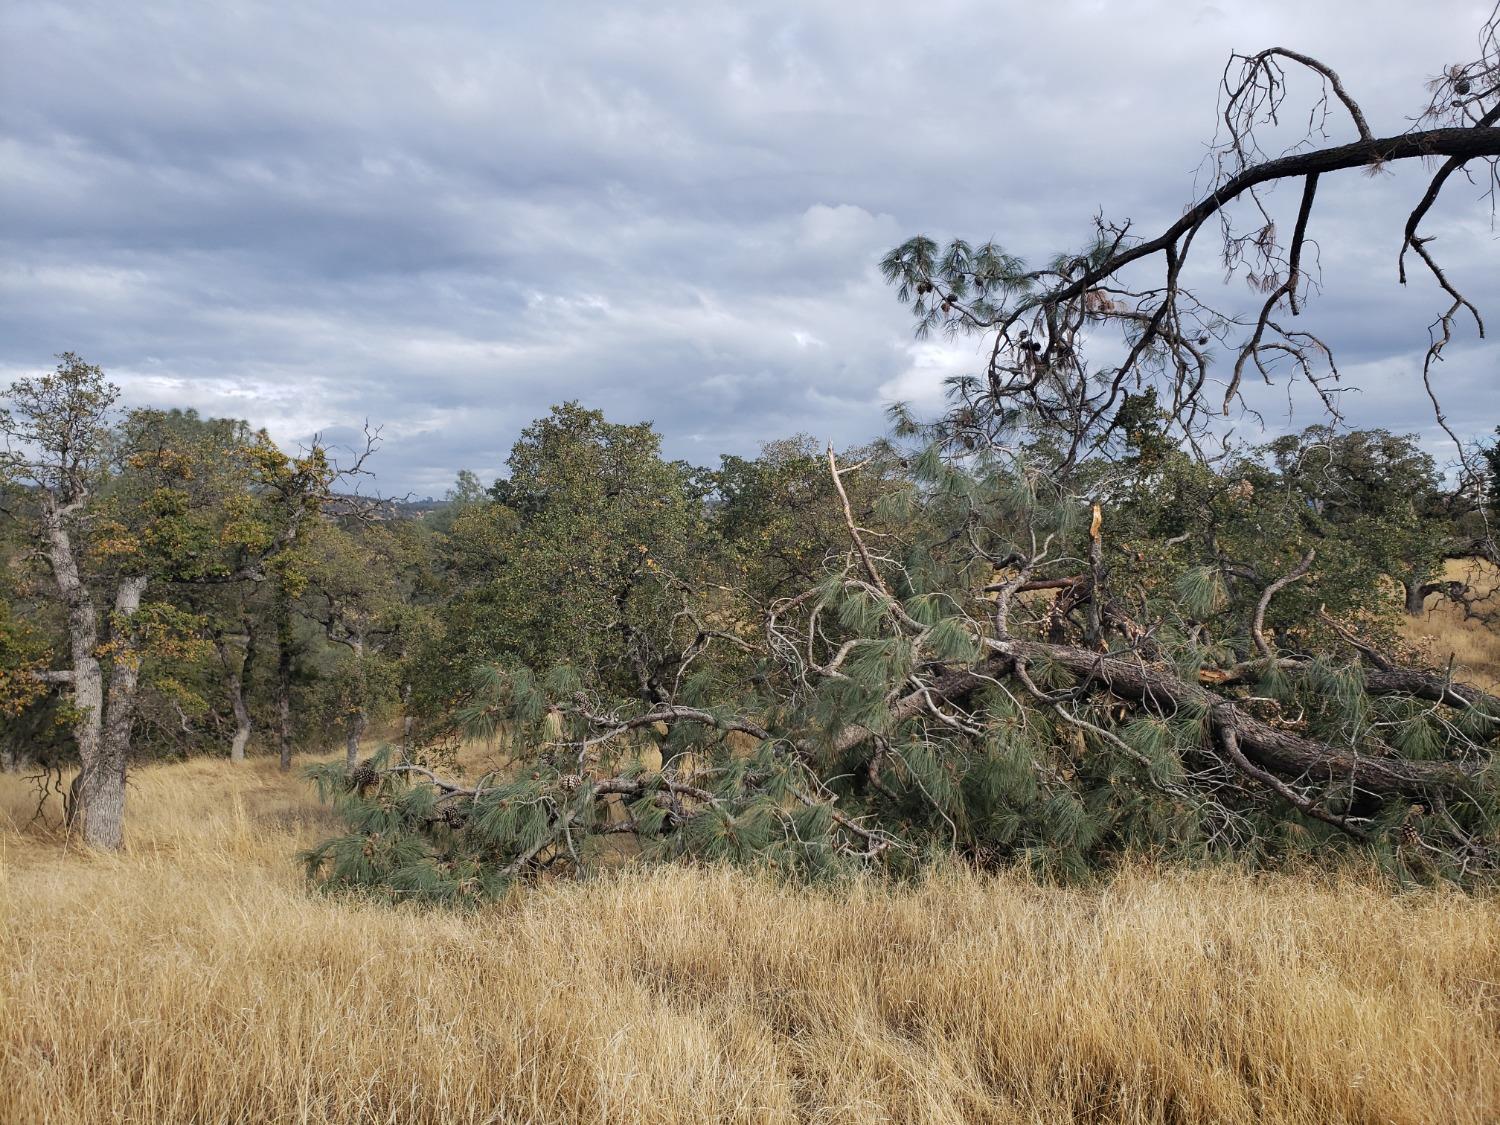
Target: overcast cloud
x=445, y=217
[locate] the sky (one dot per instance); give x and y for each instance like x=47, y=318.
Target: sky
x=444, y=217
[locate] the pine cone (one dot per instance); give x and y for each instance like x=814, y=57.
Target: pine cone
x=569, y=782
x=362, y=776
x=1409, y=835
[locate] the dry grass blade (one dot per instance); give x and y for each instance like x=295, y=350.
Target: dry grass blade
x=195, y=979
x=1444, y=633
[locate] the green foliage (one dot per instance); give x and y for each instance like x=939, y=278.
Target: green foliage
x=576, y=556
x=205, y=515
x=733, y=666
x=1064, y=782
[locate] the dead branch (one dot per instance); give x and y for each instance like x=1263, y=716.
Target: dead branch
x=1258, y=622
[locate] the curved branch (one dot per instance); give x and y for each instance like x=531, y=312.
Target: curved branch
x=1258, y=622
x=1231, y=743
x=1329, y=75
x=1463, y=144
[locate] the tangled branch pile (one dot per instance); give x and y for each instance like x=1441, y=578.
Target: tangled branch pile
x=1050, y=628
x=989, y=674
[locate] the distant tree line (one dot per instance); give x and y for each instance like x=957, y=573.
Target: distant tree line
x=797, y=658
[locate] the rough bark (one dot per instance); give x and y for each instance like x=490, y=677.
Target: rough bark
x=236, y=685
x=1416, y=596
x=234, y=688
x=359, y=719
x=284, y=683
x=103, y=790
x=1424, y=685
x=86, y=681
x=1282, y=751
x=104, y=713
x=359, y=722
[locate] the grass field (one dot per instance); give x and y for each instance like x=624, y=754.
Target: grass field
x=196, y=979
x=1443, y=631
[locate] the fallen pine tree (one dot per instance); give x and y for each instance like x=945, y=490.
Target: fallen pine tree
x=956, y=700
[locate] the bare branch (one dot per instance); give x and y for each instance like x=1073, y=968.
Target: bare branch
x=1258, y=622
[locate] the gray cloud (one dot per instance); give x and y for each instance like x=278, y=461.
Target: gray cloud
x=446, y=218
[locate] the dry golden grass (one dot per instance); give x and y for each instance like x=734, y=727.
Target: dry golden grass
x=1443, y=632
x=195, y=979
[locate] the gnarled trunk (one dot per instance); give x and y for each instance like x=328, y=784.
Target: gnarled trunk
x=238, y=684
x=241, y=718
x=284, y=681
x=234, y=688
x=96, y=808
x=97, y=805
x=359, y=720
x=104, y=793
x=1416, y=596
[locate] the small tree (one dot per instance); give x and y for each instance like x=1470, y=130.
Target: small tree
x=1380, y=491
x=60, y=423
x=155, y=500
x=583, y=556
x=356, y=596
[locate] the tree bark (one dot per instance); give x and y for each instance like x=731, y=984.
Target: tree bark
x=99, y=801
x=406, y=723
x=234, y=687
x=1282, y=751
x=359, y=720
x=1426, y=685
x=358, y=723
x=284, y=682
x=236, y=681
x=87, y=808
x=1416, y=596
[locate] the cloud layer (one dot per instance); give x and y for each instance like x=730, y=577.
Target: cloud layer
x=446, y=217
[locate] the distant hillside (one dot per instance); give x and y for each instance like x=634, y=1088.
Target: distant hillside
x=383, y=509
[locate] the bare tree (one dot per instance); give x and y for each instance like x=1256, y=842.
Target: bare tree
x=1040, y=321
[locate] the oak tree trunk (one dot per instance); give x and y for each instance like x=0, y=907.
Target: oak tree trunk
x=241, y=720
x=359, y=720
x=1416, y=596
x=101, y=727
x=237, y=684
x=97, y=805
x=284, y=682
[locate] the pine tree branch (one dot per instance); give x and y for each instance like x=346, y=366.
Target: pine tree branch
x=1284, y=752
x=1229, y=739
